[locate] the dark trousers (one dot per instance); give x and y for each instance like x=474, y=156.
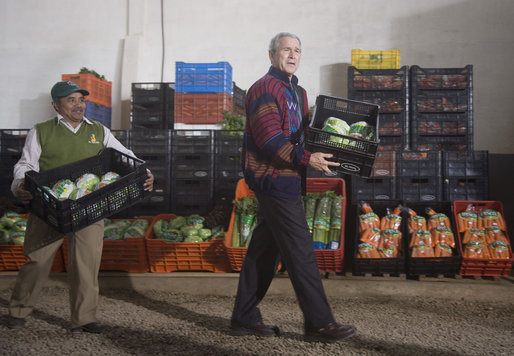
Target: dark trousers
x=281, y=233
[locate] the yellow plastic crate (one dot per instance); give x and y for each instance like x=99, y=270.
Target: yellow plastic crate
x=363, y=59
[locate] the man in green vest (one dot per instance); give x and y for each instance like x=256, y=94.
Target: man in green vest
x=67, y=138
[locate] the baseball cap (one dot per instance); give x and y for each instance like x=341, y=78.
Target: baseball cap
x=65, y=88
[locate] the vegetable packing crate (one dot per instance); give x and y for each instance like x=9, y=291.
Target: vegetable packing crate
x=12, y=258
x=71, y=215
x=483, y=266
x=378, y=266
x=166, y=256
x=376, y=59
x=203, y=77
x=355, y=156
x=99, y=90
x=127, y=255
x=448, y=266
x=328, y=260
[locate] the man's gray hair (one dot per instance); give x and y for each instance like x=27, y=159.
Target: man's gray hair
x=273, y=45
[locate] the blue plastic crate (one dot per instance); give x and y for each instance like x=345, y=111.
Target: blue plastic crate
x=203, y=77
x=98, y=113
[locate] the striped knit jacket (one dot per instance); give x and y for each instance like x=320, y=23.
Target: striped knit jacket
x=272, y=164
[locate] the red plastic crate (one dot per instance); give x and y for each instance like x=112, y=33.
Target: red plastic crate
x=165, y=256
x=99, y=90
x=12, y=258
x=482, y=266
x=327, y=260
x=127, y=255
x=200, y=108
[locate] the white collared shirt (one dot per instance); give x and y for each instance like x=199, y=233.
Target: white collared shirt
x=29, y=160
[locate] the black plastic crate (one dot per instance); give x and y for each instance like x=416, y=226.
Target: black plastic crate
x=442, y=101
x=434, y=266
x=146, y=141
x=228, y=142
x=12, y=141
x=441, y=78
x=224, y=190
x=466, y=175
x=379, y=266
x=192, y=141
x=456, y=124
x=394, y=143
x=355, y=156
x=238, y=96
x=374, y=188
x=441, y=143
x=393, y=125
x=158, y=203
x=152, y=118
x=420, y=176
x=72, y=215
x=378, y=79
x=148, y=93
x=191, y=196
x=389, y=102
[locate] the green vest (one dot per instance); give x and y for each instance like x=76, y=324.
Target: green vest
x=60, y=146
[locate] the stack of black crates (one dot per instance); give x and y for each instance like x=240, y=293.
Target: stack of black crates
x=11, y=142
x=426, y=135
x=152, y=106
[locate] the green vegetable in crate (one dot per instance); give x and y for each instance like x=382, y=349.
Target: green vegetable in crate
x=134, y=231
x=172, y=235
x=193, y=238
x=205, y=234
x=116, y=230
x=322, y=221
x=246, y=207
x=159, y=227
x=17, y=237
x=87, y=181
x=63, y=189
x=5, y=238
x=9, y=218
x=195, y=220
x=178, y=222
x=20, y=225
x=361, y=130
x=110, y=177
x=311, y=201
x=334, y=235
x=79, y=193
x=338, y=126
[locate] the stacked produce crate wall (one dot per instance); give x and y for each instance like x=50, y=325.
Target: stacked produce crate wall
x=152, y=105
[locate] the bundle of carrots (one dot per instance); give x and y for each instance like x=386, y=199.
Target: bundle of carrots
x=432, y=238
x=483, y=233
x=379, y=237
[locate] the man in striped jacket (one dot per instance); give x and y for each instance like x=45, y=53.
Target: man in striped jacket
x=274, y=163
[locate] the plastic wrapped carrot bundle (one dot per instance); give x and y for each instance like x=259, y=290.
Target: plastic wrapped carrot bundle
x=388, y=252
x=494, y=233
x=443, y=235
x=422, y=251
x=416, y=221
x=473, y=234
x=391, y=238
x=392, y=220
x=443, y=250
x=476, y=249
x=437, y=219
x=499, y=249
x=490, y=217
x=371, y=236
x=368, y=219
x=466, y=220
x=367, y=251
x=421, y=237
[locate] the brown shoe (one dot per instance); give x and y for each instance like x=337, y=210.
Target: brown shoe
x=330, y=333
x=258, y=329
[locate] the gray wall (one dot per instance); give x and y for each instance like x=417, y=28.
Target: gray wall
x=122, y=39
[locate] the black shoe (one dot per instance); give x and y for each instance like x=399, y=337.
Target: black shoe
x=95, y=328
x=257, y=329
x=15, y=323
x=330, y=333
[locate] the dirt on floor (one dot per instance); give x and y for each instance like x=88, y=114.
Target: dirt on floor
x=158, y=322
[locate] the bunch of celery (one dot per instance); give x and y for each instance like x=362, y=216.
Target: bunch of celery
x=245, y=220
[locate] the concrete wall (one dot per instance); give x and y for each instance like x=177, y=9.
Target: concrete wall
x=122, y=39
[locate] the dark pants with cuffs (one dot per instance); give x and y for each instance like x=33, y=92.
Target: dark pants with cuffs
x=281, y=233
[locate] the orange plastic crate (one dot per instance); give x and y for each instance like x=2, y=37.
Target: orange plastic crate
x=99, y=90
x=165, y=256
x=201, y=108
x=12, y=258
x=127, y=255
x=327, y=260
x=482, y=266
